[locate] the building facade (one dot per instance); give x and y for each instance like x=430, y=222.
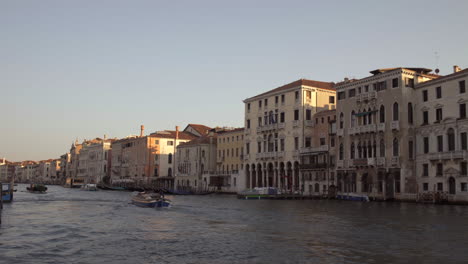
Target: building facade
x=441, y=137
x=276, y=126
x=317, y=164
x=375, y=129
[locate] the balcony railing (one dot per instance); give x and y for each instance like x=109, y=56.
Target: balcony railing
x=380, y=162
x=309, y=123
x=340, y=132
x=448, y=155
x=323, y=148
x=395, y=162
x=313, y=166
x=359, y=162
x=381, y=127
x=295, y=123
x=270, y=127
x=340, y=163
x=395, y=125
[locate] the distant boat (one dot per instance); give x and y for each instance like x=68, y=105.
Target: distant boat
x=89, y=187
x=353, y=197
x=143, y=199
x=37, y=188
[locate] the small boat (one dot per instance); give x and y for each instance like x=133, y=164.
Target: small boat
x=37, y=188
x=89, y=187
x=143, y=199
x=353, y=197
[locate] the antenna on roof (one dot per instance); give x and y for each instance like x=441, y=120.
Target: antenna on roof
x=436, y=55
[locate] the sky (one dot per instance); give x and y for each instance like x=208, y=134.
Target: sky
x=81, y=69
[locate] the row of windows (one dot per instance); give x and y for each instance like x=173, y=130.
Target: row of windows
x=438, y=91
x=440, y=169
x=331, y=100
x=378, y=86
x=232, y=139
x=221, y=153
x=369, y=150
x=450, y=136
x=440, y=186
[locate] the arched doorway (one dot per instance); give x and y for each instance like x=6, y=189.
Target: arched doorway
x=296, y=176
x=389, y=186
x=452, y=185
x=247, y=176
x=270, y=174
x=365, y=183
x=254, y=176
x=259, y=175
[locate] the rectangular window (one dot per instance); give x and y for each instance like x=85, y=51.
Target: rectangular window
x=425, y=186
x=438, y=92
x=156, y=142
x=322, y=141
x=259, y=121
x=341, y=96
x=282, y=98
x=296, y=94
x=426, y=145
x=296, y=114
x=440, y=143
x=296, y=143
x=461, y=84
x=308, y=142
x=247, y=148
x=440, y=169
x=266, y=102
x=463, y=168
x=282, y=144
x=409, y=82
x=463, y=187
x=308, y=114
x=425, y=96
x=259, y=103
x=282, y=117
x=438, y=114
x=463, y=141
x=394, y=82
x=331, y=99
x=276, y=99
x=332, y=142
x=352, y=93
x=259, y=147
x=425, y=170
x=308, y=95
x=366, y=88
x=440, y=187
x=248, y=123
x=425, y=118
x=410, y=149
x=462, y=111
x=170, y=143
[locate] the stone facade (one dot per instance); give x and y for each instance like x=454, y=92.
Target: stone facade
x=375, y=129
x=276, y=125
x=317, y=168
x=441, y=137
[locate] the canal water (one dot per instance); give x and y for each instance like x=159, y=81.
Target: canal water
x=74, y=226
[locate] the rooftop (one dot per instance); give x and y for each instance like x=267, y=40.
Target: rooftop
x=300, y=82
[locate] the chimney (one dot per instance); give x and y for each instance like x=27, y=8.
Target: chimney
x=177, y=132
x=105, y=136
x=456, y=69
x=142, y=130
x=346, y=79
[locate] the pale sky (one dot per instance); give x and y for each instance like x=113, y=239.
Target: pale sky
x=82, y=69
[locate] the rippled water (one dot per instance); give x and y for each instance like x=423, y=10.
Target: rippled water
x=73, y=226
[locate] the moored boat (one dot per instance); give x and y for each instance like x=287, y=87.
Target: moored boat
x=37, y=188
x=353, y=197
x=89, y=187
x=7, y=193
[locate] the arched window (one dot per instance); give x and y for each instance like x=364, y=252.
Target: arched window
x=364, y=150
x=359, y=149
x=382, y=148
x=396, y=149
x=410, y=113
x=169, y=172
x=341, y=151
x=272, y=118
x=169, y=158
x=395, y=112
x=382, y=114
x=352, y=151
x=364, y=119
x=353, y=118
x=369, y=117
x=341, y=121
x=375, y=149
x=369, y=149
x=451, y=139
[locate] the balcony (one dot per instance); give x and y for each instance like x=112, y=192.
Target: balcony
x=359, y=162
x=381, y=127
x=309, y=123
x=364, y=96
x=380, y=162
x=372, y=95
x=395, y=162
x=448, y=155
x=323, y=148
x=340, y=163
x=295, y=123
x=395, y=125
x=353, y=130
x=246, y=156
x=313, y=166
x=372, y=128
x=340, y=132
x=270, y=127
